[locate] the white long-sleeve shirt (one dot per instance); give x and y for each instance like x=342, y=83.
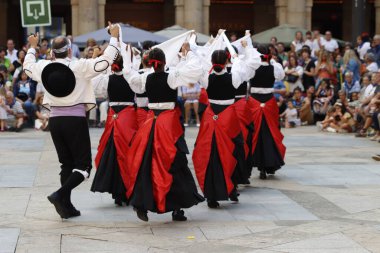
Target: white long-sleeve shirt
x=83, y=69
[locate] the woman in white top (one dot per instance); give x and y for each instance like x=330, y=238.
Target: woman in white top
x=363, y=45
x=293, y=74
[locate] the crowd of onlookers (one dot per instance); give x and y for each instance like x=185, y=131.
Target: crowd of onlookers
x=331, y=85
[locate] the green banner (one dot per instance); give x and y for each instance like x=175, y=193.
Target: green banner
x=35, y=12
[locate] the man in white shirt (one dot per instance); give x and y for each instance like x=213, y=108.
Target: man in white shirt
x=371, y=65
x=11, y=51
x=329, y=44
x=316, y=43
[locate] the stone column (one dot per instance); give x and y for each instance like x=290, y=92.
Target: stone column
x=179, y=12
x=308, y=13
x=75, y=17
x=377, y=13
x=206, y=17
x=296, y=13
x=281, y=12
x=101, y=14
x=193, y=15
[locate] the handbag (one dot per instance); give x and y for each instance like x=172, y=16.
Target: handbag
x=291, y=78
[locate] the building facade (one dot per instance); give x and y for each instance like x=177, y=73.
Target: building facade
x=345, y=18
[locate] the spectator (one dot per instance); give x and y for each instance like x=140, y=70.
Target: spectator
x=376, y=49
x=363, y=45
x=342, y=120
x=74, y=47
x=350, y=85
x=15, y=113
x=282, y=54
x=4, y=60
x=42, y=115
x=3, y=109
x=19, y=61
x=22, y=88
x=376, y=116
x=306, y=113
x=371, y=65
x=324, y=68
x=309, y=40
x=293, y=74
x=273, y=41
x=279, y=91
x=351, y=63
x=291, y=116
x=5, y=77
x=323, y=97
x=233, y=37
x=11, y=51
x=308, y=70
x=316, y=44
x=91, y=42
x=365, y=82
x=190, y=96
x=44, y=49
x=297, y=43
x=329, y=118
x=329, y=44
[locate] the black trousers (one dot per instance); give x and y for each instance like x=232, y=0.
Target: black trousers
x=71, y=139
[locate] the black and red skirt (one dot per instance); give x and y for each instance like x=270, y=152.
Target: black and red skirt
x=218, y=155
x=111, y=159
x=268, y=151
x=159, y=179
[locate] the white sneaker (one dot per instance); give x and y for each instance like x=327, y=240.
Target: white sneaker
x=198, y=125
x=319, y=126
x=331, y=130
x=185, y=125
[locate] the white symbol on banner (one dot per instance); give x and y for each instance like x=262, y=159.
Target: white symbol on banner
x=34, y=13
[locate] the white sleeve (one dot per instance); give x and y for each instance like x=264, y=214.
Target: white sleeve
x=100, y=84
x=32, y=68
x=279, y=73
x=242, y=71
x=189, y=72
x=136, y=80
x=92, y=67
x=136, y=62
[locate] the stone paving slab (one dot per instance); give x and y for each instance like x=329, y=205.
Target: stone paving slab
x=8, y=239
x=326, y=199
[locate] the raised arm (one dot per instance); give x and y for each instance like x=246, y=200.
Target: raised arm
x=190, y=70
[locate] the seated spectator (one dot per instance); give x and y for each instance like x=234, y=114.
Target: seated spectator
x=343, y=121
x=42, y=115
x=4, y=77
x=20, y=59
x=351, y=63
x=282, y=54
x=191, y=95
x=364, y=83
x=363, y=45
x=3, y=109
x=24, y=91
x=329, y=118
x=15, y=113
x=375, y=103
x=305, y=112
x=375, y=49
x=323, y=97
x=370, y=63
x=308, y=70
x=350, y=85
x=4, y=60
x=324, y=68
x=293, y=74
x=279, y=90
x=291, y=116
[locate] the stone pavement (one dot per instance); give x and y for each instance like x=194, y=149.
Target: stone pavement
x=325, y=200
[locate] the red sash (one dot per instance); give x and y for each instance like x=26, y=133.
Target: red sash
x=124, y=126
x=271, y=113
x=166, y=133
x=141, y=115
x=226, y=126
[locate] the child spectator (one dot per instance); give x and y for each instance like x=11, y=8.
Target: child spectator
x=291, y=116
x=323, y=98
x=190, y=96
x=42, y=115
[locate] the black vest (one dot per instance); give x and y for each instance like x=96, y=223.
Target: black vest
x=220, y=87
x=158, y=90
x=242, y=90
x=264, y=77
x=119, y=90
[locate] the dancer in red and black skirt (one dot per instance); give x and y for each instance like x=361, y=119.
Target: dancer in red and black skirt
x=142, y=99
x=267, y=148
x=121, y=125
x=215, y=154
x=159, y=179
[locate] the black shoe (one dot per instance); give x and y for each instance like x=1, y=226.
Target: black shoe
x=118, y=201
x=212, y=204
x=59, y=205
x=142, y=215
x=73, y=211
x=234, y=196
x=179, y=215
x=263, y=175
